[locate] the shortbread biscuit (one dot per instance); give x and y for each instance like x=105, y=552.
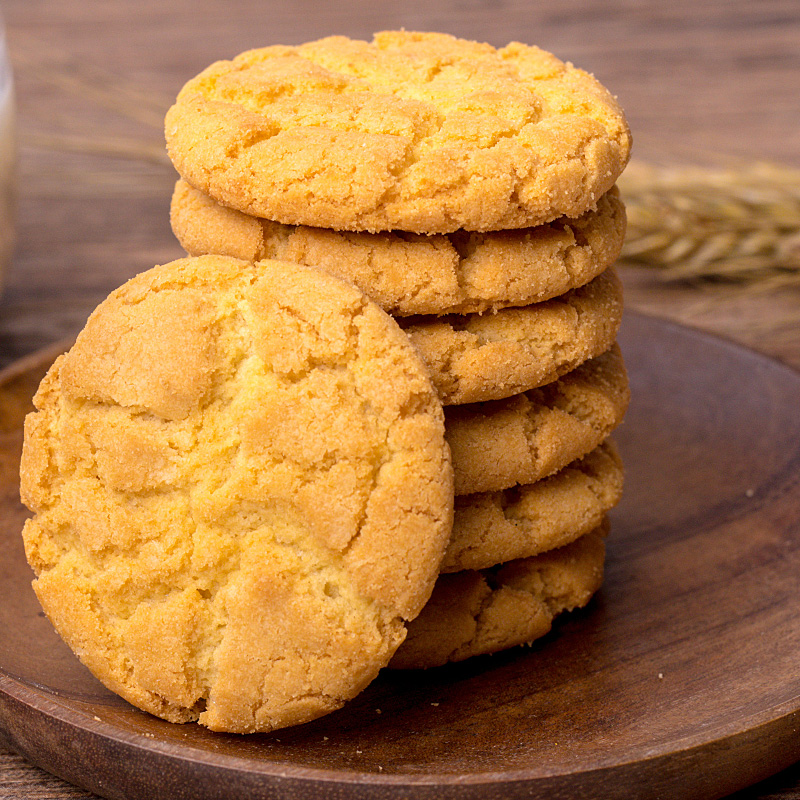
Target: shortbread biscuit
x=413, y=274
x=493, y=527
x=417, y=132
x=525, y=438
x=477, y=612
x=474, y=357
x=241, y=489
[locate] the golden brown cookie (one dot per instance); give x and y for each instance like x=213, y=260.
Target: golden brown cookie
x=241, y=489
x=418, y=132
x=477, y=612
x=529, y=436
x=493, y=527
x=477, y=357
x=413, y=274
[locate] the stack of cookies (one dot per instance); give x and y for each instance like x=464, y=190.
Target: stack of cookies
x=365, y=422
x=469, y=192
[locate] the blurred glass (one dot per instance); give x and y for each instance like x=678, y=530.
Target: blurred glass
x=7, y=158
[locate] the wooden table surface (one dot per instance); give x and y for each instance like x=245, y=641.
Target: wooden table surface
x=702, y=83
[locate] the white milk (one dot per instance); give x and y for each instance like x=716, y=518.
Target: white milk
x=7, y=159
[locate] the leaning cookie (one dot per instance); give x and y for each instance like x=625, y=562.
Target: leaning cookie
x=477, y=612
x=418, y=132
x=241, y=490
x=526, y=437
x=478, y=357
x=410, y=274
x=493, y=527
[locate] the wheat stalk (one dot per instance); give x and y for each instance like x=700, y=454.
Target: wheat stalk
x=111, y=146
x=86, y=81
x=739, y=225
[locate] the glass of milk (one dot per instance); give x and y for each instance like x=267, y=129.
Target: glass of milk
x=7, y=158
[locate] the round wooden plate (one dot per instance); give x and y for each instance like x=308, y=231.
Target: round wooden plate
x=681, y=679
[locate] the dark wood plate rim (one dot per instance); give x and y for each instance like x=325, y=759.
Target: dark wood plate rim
x=780, y=720
x=777, y=723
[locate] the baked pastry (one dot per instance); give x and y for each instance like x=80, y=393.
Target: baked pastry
x=406, y=274
x=477, y=357
x=241, y=491
x=418, y=132
x=493, y=527
x=526, y=437
x=473, y=613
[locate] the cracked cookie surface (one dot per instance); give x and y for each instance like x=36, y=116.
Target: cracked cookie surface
x=241, y=490
x=410, y=274
x=493, y=527
x=524, y=438
x=418, y=132
x=476, y=612
x=477, y=357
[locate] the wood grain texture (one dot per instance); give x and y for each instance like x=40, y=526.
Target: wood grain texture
x=679, y=680
x=700, y=82
x=683, y=668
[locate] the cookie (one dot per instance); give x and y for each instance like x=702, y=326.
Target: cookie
x=241, y=490
x=493, y=527
x=474, y=357
x=524, y=438
x=409, y=274
x=477, y=612
x=418, y=132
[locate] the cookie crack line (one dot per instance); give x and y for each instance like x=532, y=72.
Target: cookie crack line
x=501, y=443
x=407, y=274
x=386, y=455
x=425, y=179
x=204, y=590
x=477, y=614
